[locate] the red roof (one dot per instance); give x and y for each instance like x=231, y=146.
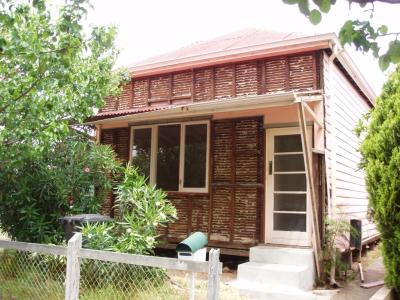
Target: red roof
x=123, y=112
x=231, y=41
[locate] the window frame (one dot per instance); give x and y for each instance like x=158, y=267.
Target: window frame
x=154, y=149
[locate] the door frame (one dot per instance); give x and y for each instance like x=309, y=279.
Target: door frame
x=294, y=238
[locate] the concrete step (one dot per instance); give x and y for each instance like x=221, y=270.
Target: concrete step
x=282, y=255
x=252, y=290
x=294, y=276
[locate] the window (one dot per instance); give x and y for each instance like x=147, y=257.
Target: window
x=141, y=148
x=173, y=156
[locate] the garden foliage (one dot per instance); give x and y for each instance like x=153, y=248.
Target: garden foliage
x=54, y=72
x=71, y=177
x=381, y=162
x=142, y=209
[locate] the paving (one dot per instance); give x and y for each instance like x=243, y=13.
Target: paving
x=352, y=290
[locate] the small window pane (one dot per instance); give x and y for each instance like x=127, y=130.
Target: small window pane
x=290, y=202
x=168, y=157
x=288, y=143
x=289, y=222
x=290, y=182
x=289, y=163
x=195, y=156
x=141, y=150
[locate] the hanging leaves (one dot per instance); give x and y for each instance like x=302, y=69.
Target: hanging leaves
x=359, y=33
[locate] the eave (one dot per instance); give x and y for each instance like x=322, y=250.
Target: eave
x=224, y=105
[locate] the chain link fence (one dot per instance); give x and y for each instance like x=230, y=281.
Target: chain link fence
x=34, y=271
x=29, y=275
x=106, y=280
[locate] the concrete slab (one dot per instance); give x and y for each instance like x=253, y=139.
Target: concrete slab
x=275, y=274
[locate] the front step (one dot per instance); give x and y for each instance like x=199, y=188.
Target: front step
x=275, y=274
x=280, y=255
x=253, y=290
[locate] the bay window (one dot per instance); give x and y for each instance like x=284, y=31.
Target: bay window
x=173, y=156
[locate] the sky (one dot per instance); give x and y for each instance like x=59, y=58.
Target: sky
x=152, y=27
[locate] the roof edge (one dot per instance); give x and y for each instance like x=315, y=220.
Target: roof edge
x=349, y=65
x=303, y=44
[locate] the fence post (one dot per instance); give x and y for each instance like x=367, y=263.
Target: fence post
x=73, y=267
x=213, y=275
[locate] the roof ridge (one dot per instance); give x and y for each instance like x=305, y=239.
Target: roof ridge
x=220, y=43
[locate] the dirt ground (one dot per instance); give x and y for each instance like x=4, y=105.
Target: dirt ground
x=374, y=270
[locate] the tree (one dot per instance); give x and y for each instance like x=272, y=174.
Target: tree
x=52, y=74
x=381, y=161
x=361, y=33
x=71, y=177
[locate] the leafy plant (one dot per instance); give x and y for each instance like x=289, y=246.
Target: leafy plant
x=363, y=34
x=380, y=152
x=337, y=231
x=71, y=177
x=142, y=209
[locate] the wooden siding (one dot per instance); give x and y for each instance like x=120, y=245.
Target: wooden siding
x=344, y=107
x=296, y=72
x=237, y=181
x=232, y=210
x=118, y=139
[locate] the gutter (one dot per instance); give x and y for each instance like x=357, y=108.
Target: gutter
x=210, y=107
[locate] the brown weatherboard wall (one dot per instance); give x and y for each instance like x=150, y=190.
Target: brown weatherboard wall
x=231, y=212
x=237, y=182
x=295, y=72
x=118, y=139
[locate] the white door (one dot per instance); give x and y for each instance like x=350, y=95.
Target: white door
x=287, y=200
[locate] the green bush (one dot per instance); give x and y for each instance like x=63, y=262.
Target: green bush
x=381, y=161
x=142, y=209
x=69, y=178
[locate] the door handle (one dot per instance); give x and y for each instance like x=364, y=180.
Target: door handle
x=270, y=167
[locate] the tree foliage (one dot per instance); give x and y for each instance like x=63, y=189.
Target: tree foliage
x=52, y=74
x=71, y=177
x=381, y=161
x=360, y=33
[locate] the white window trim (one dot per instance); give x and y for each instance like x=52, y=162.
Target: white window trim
x=153, y=154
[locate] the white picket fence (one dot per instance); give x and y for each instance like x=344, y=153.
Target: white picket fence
x=75, y=253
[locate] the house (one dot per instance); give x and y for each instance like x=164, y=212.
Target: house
x=252, y=135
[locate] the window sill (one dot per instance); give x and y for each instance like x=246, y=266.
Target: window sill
x=187, y=193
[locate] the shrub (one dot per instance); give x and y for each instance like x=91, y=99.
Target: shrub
x=142, y=209
x=69, y=178
x=381, y=161
x=337, y=231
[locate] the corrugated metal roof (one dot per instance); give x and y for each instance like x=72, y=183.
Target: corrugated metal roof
x=119, y=113
x=236, y=40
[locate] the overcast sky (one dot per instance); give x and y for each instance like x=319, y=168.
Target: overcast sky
x=151, y=27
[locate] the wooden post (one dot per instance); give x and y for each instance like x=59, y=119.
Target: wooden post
x=213, y=275
x=73, y=267
x=192, y=289
x=310, y=183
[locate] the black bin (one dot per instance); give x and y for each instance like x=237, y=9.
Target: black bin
x=71, y=223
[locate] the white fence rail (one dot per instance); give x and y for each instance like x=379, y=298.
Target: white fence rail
x=75, y=254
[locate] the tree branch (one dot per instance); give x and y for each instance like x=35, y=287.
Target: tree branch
x=24, y=93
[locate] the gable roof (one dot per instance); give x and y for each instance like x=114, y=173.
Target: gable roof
x=232, y=41
x=249, y=44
